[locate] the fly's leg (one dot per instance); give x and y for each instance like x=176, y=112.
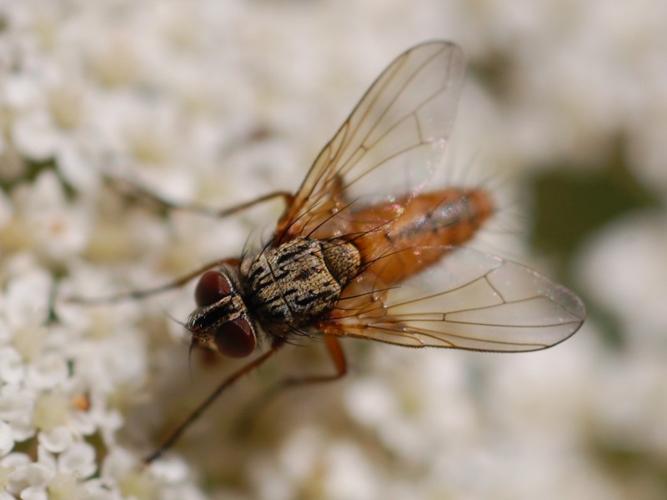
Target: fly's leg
x=136, y=191
x=337, y=355
x=142, y=193
x=335, y=351
x=231, y=379
x=147, y=292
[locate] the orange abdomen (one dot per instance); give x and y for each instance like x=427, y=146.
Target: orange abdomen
x=401, y=238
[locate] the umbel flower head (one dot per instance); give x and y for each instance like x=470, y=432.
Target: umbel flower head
x=216, y=102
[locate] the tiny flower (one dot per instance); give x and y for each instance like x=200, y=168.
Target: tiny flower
x=47, y=372
x=78, y=460
x=26, y=306
x=31, y=478
x=12, y=370
x=16, y=405
x=6, y=439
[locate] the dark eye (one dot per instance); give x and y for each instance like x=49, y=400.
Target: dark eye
x=212, y=286
x=236, y=339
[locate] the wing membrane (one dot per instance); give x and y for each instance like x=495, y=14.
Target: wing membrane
x=481, y=303
x=393, y=138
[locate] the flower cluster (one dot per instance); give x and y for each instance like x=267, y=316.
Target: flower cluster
x=215, y=102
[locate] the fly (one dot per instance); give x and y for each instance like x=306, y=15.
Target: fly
x=357, y=254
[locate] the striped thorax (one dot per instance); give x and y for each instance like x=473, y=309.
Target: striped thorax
x=298, y=281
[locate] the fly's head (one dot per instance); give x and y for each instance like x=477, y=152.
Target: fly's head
x=220, y=322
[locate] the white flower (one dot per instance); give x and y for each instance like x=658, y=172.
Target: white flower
x=16, y=405
x=624, y=268
x=350, y=474
x=6, y=438
x=166, y=479
x=31, y=479
x=26, y=303
x=12, y=369
x=57, y=230
x=396, y=408
x=52, y=477
x=55, y=440
x=640, y=382
x=47, y=372
x=78, y=460
x=173, y=95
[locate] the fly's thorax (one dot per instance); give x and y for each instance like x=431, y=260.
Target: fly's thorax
x=298, y=281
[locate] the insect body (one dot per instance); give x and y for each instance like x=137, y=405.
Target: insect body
x=300, y=280
x=284, y=289
x=364, y=250
x=427, y=227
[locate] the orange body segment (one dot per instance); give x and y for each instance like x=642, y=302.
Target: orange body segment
x=405, y=236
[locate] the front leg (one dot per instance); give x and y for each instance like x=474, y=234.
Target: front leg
x=337, y=355
x=136, y=191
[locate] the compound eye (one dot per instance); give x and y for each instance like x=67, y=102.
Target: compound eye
x=236, y=339
x=211, y=287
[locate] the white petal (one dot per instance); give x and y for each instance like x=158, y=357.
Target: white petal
x=82, y=422
x=76, y=169
x=60, y=233
x=34, y=493
x=16, y=405
x=47, y=193
x=170, y=470
x=5, y=333
x=65, y=487
x=11, y=366
x=35, y=136
x=15, y=460
x=78, y=459
x=23, y=430
x=49, y=371
x=56, y=440
x=109, y=423
x=118, y=463
x=27, y=298
x=370, y=401
x=46, y=458
x=96, y=489
x=20, y=91
x=33, y=474
x=6, y=439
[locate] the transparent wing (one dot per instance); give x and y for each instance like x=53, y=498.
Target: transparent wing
x=391, y=142
x=480, y=303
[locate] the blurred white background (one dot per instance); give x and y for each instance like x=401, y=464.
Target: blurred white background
x=219, y=101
